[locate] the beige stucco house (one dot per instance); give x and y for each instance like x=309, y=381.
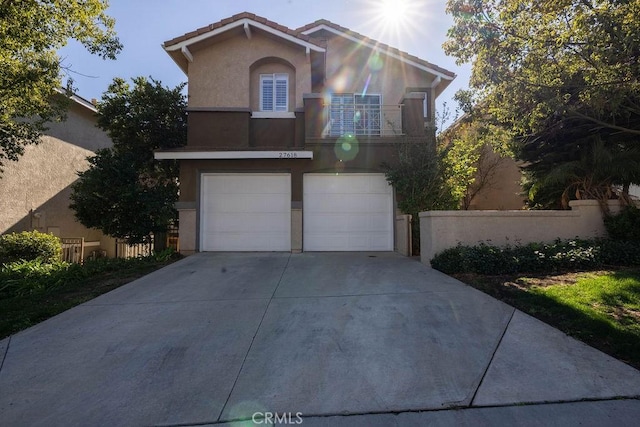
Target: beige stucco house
x=287, y=132
x=34, y=191
x=501, y=189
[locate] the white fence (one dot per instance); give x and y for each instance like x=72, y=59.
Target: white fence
x=73, y=249
x=125, y=250
x=76, y=249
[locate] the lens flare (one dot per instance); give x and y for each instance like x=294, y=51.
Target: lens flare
x=375, y=62
x=346, y=147
x=394, y=12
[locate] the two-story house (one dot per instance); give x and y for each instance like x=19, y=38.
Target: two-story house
x=287, y=132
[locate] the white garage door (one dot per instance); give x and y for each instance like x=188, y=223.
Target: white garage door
x=245, y=212
x=348, y=212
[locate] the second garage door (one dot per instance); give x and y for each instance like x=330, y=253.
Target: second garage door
x=245, y=212
x=347, y=212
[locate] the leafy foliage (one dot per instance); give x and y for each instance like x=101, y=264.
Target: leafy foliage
x=31, y=32
x=116, y=198
x=31, y=291
x=591, y=173
x=125, y=192
x=473, y=151
x=563, y=76
x=537, y=257
x=625, y=225
x=22, y=278
x=419, y=177
x=29, y=246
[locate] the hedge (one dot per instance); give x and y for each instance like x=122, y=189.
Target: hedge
x=625, y=225
x=561, y=255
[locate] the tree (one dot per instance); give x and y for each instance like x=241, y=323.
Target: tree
x=125, y=192
x=474, y=150
x=595, y=174
x=31, y=32
x=418, y=175
x=560, y=75
x=539, y=57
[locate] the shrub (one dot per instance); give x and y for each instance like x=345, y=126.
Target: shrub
x=20, y=278
x=625, y=225
x=538, y=257
x=24, y=278
x=28, y=246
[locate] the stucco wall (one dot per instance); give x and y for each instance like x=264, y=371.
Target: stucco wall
x=354, y=68
x=34, y=191
x=220, y=72
x=440, y=230
x=403, y=235
x=503, y=190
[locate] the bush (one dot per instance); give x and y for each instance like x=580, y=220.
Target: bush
x=537, y=257
x=28, y=246
x=20, y=278
x=24, y=278
x=625, y=225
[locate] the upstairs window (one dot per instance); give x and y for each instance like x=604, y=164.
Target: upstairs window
x=355, y=114
x=274, y=92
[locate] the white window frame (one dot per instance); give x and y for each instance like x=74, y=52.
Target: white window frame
x=346, y=104
x=425, y=105
x=274, y=78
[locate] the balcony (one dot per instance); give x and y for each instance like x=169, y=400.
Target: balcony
x=318, y=123
x=362, y=120
x=370, y=122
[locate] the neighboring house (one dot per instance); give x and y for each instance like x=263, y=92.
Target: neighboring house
x=501, y=189
x=287, y=133
x=34, y=191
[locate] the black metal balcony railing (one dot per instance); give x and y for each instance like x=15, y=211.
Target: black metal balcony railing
x=362, y=119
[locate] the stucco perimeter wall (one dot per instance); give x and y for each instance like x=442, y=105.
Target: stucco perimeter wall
x=440, y=230
x=220, y=74
x=403, y=235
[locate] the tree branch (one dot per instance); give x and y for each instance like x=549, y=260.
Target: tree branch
x=605, y=124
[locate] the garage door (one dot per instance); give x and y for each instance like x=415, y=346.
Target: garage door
x=347, y=212
x=245, y=212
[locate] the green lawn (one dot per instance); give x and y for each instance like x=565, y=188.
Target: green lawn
x=601, y=309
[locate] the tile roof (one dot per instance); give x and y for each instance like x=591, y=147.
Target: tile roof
x=298, y=34
x=238, y=17
x=374, y=42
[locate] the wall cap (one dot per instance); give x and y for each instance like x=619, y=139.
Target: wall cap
x=498, y=214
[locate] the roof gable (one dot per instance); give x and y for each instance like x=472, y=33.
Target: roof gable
x=178, y=48
x=323, y=24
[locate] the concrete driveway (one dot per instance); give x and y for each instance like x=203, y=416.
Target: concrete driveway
x=335, y=338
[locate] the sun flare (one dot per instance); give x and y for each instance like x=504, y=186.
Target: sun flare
x=393, y=12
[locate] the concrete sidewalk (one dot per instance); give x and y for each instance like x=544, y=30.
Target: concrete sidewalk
x=341, y=338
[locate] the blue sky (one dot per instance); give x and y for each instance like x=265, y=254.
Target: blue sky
x=143, y=25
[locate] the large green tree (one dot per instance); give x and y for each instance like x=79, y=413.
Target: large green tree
x=31, y=32
x=562, y=75
x=540, y=56
x=125, y=192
